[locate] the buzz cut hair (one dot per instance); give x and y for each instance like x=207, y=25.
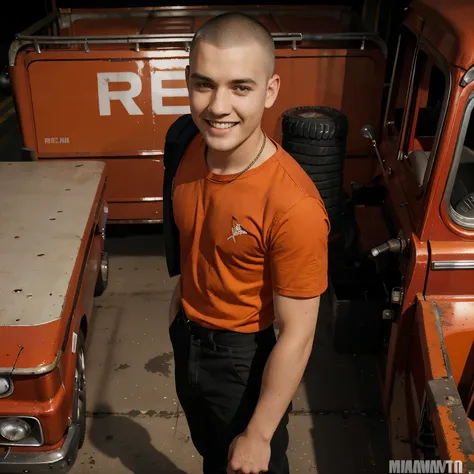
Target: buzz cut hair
x=234, y=29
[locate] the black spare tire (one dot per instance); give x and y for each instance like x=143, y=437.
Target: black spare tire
x=316, y=138
x=315, y=123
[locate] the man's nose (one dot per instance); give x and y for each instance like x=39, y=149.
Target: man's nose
x=220, y=103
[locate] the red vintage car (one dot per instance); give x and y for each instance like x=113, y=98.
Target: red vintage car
x=53, y=216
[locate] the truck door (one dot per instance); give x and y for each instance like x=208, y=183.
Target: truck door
x=424, y=118
x=413, y=124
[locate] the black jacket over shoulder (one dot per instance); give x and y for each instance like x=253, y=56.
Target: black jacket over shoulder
x=177, y=138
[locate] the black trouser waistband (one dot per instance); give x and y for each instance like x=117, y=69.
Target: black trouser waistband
x=226, y=337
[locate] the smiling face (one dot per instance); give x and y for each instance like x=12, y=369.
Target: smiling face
x=229, y=89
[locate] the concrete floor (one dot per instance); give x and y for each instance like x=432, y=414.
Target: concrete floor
x=135, y=424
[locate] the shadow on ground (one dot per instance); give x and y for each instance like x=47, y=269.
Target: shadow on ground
x=121, y=437
x=147, y=239
x=344, y=396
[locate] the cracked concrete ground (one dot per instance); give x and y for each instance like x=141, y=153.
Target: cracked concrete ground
x=134, y=422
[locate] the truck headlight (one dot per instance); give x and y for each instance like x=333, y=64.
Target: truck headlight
x=6, y=385
x=14, y=429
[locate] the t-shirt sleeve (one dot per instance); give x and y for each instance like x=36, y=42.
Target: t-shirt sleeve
x=299, y=250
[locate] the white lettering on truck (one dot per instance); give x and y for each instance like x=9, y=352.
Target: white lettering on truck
x=158, y=91
x=126, y=97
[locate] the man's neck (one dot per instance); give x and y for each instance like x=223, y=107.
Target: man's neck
x=234, y=161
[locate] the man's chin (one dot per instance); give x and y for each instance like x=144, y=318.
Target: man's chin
x=221, y=143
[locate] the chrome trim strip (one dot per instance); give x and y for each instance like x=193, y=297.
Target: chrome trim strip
x=453, y=265
x=137, y=200
x=161, y=38
x=179, y=38
x=152, y=199
x=43, y=369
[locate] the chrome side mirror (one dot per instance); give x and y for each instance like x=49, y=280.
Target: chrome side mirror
x=368, y=131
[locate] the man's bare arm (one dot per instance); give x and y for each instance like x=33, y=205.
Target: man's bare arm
x=296, y=319
x=175, y=303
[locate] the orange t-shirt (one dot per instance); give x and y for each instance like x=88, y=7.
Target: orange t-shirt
x=265, y=231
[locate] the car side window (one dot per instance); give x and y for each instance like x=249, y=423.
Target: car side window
x=425, y=116
x=400, y=85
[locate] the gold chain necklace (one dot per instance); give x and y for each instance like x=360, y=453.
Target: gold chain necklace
x=251, y=163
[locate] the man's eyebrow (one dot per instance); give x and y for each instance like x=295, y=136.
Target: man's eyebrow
x=246, y=80
x=196, y=75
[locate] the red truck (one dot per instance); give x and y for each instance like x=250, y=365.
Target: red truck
x=107, y=83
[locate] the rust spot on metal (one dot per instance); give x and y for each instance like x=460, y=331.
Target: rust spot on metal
x=450, y=420
x=450, y=401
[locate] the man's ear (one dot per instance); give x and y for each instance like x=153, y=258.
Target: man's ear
x=273, y=87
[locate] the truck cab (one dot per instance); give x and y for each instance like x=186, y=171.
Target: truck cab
x=425, y=153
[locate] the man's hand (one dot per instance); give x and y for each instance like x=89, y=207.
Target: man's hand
x=248, y=455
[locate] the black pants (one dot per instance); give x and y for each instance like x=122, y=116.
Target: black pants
x=218, y=379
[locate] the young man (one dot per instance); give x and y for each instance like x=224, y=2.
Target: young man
x=253, y=237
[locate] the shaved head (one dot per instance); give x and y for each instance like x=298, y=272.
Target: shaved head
x=236, y=29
